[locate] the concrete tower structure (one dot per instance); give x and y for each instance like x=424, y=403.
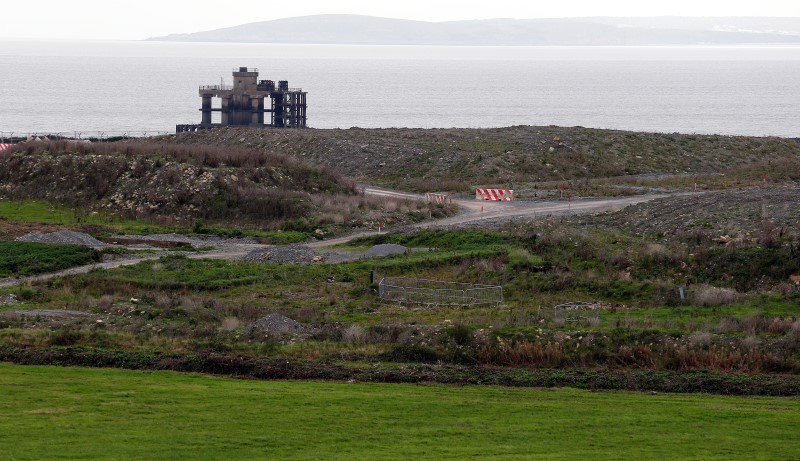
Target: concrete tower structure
x=243, y=103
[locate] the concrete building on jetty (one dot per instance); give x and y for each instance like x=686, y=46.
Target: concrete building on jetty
x=245, y=103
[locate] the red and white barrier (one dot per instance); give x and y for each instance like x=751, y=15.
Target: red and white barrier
x=5, y=146
x=438, y=198
x=495, y=195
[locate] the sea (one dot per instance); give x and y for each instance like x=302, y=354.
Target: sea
x=144, y=87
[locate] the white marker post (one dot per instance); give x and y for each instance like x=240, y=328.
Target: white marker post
x=695, y=183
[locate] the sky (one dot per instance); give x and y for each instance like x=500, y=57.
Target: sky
x=140, y=19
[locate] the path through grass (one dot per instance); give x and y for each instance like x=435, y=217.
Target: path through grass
x=69, y=413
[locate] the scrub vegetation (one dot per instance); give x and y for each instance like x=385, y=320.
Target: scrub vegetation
x=686, y=295
x=171, y=186
x=729, y=321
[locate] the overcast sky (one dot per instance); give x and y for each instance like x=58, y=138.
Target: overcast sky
x=139, y=19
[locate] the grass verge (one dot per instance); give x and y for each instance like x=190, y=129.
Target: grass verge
x=68, y=413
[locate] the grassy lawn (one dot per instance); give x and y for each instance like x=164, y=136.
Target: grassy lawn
x=48, y=213
x=75, y=413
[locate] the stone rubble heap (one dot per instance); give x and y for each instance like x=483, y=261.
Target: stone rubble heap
x=62, y=237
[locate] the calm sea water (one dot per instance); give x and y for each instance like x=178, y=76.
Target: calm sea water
x=149, y=86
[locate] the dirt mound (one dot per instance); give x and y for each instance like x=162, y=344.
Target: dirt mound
x=452, y=159
x=277, y=323
x=748, y=212
x=293, y=254
x=62, y=237
x=140, y=179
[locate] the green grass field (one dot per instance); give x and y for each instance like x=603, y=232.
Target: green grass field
x=48, y=213
x=77, y=413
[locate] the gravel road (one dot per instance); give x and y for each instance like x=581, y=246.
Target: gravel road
x=476, y=213
x=473, y=214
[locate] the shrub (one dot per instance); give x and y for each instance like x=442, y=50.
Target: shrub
x=460, y=335
x=413, y=353
x=230, y=323
x=354, y=334
x=707, y=295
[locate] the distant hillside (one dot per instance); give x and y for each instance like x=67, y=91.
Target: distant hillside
x=355, y=29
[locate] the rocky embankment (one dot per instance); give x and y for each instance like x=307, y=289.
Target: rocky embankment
x=452, y=159
x=173, y=184
x=729, y=216
x=146, y=180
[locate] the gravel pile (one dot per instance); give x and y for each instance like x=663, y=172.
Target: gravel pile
x=386, y=249
x=62, y=237
x=338, y=257
x=277, y=323
x=293, y=254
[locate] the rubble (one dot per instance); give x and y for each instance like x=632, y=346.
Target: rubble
x=277, y=323
x=65, y=237
x=9, y=300
x=729, y=217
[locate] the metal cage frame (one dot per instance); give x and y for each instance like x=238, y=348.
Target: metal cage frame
x=432, y=292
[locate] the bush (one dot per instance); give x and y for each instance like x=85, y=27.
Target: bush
x=460, y=335
x=707, y=295
x=354, y=334
x=413, y=353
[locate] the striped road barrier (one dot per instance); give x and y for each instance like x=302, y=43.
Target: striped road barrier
x=495, y=195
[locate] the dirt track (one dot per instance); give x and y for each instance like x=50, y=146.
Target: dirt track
x=471, y=211
x=474, y=210
x=228, y=253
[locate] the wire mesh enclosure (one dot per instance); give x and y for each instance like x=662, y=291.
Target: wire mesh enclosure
x=431, y=292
